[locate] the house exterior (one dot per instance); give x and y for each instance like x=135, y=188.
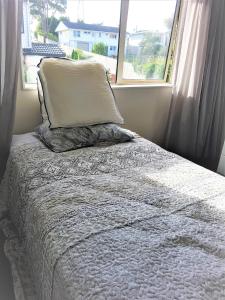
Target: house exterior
x=33, y=55
x=84, y=36
x=34, y=51
x=135, y=39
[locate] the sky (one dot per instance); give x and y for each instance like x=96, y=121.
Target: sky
x=143, y=14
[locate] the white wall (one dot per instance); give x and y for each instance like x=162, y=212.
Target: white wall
x=94, y=37
x=27, y=111
x=145, y=110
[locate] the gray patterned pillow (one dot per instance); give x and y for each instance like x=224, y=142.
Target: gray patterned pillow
x=64, y=139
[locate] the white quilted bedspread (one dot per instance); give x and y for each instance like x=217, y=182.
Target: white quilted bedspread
x=128, y=221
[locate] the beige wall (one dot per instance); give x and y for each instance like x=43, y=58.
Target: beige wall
x=145, y=110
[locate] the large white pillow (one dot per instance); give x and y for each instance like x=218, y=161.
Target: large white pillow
x=44, y=114
x=77, y=93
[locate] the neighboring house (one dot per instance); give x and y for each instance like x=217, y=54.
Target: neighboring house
x=33, y=52
x=41, y=49
x=33, y=55
x=135, y=39
x=84, y=36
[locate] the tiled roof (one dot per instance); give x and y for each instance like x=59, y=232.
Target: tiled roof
x=93, y=27
x=41, y=49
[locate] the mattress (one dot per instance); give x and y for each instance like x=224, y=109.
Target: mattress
x=126, y=221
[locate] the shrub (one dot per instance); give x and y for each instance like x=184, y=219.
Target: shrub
x=77, y=54
x=100, y=48
x=154, y=68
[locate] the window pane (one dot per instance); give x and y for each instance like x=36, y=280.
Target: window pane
x=149, y=28
x=81, y=30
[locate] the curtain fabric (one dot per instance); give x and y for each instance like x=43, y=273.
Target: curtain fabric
x=211, y=124
x=196, y=120
x=10, y=38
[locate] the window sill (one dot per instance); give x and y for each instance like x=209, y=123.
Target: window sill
x=29, y=86
x=145, y=85
x=33, y=87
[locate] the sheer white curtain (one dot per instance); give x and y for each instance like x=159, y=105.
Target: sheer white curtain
x=211, y=124
x=10, y=36
x=196, y=124
x=188, y=76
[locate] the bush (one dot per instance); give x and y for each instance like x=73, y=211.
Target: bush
x=154, y=68
x=77, y=54
x=100, y=48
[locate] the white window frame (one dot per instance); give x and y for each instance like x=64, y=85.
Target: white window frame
x=120, y=81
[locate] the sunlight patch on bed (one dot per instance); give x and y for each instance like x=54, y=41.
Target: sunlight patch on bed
x=186, y=179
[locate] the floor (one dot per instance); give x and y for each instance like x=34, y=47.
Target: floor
x=6, y=286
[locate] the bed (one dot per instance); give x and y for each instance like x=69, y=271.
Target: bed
x=125, y=221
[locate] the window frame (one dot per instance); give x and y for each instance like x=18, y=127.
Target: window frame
x=124, y=10
x=120, y=81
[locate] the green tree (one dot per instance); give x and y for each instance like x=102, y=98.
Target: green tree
x=154, y=68
x=77, y=54
x=151, y=45
x=100, y=48
x=41, y=9
x=63, y=18
x=53, y=22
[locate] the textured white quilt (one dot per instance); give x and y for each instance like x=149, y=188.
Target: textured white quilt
x=128, y=221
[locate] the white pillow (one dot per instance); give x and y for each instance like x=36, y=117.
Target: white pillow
x=44, y=114
x=77, y=93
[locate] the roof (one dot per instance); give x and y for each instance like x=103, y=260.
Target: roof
x=41, y=49
x=92, y=27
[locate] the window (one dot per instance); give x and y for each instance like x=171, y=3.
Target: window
x=135, y=40
x=75, y=33
x=112, y=36
x=148, y=34
x=112, y=48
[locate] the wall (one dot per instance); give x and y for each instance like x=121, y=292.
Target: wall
x=145, y=110
x=27, y=111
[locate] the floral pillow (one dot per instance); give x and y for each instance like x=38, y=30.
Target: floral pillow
x=64, y=139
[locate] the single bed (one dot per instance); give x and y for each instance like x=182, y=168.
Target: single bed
x=126, y=221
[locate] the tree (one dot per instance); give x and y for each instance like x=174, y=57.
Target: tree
x=100, y=48
x=41, y=9
x=150, y=45
x=77, y=54
x=52, y=25
x=154, y=68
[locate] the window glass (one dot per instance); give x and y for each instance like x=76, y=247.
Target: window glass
x=149, y=28
x=89, y=30
x=75, y=33
x=70, y=29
